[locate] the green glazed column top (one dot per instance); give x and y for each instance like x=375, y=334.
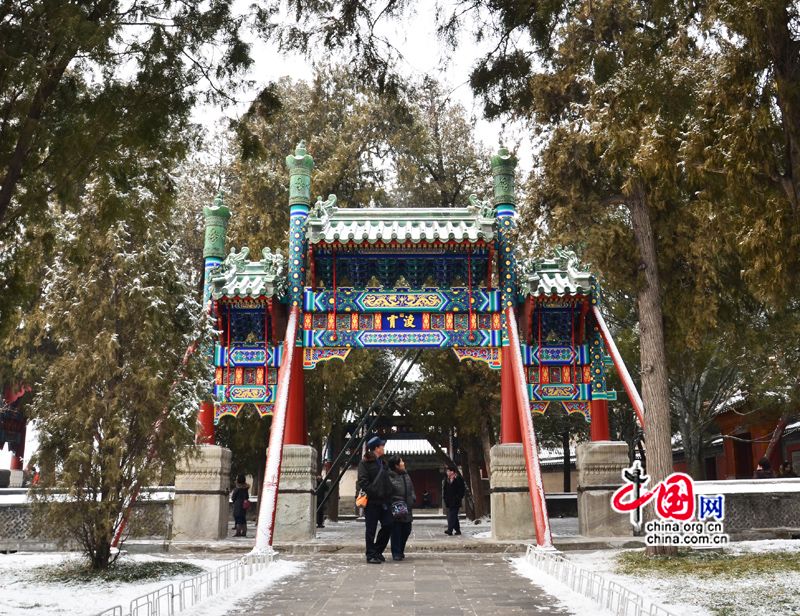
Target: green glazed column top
x=300, y=165
x=216, y=219
x=217, y=209
x=503, y=166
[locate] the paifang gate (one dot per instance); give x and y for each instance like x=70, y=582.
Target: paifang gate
x=391, y=278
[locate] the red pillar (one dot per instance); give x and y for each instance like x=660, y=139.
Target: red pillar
x=600, y=430
x=296, y=432
x=509, y=417
x=205, y=424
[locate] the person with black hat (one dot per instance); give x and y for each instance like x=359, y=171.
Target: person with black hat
x=453, y=493
x=373, y=480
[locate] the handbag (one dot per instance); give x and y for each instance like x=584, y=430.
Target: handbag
x=361, y=499
x=400, y=511
x=246, y=504
x=400, y=508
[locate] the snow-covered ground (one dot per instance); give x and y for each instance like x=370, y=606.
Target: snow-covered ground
x=23, y=592
x=775, y=594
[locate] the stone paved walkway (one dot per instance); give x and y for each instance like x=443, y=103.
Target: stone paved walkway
x=422, y=585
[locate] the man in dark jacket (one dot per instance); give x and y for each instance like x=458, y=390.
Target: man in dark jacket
x=453, y=494
x=374, y=481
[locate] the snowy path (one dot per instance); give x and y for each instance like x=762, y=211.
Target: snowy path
x=475, y=584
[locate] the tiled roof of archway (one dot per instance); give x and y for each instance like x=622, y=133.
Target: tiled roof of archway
x=238, y=277
x=560, y=276
x=327, y=224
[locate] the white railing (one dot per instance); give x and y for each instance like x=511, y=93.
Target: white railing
x=608, y=595
x=166, y=602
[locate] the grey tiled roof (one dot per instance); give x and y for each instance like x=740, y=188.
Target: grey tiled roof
x=237, y=277
x=559, y=276
x=328, y=223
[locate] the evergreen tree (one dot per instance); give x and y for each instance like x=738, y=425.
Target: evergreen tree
x=117, y=387
x=745, y=144
x=88, y=89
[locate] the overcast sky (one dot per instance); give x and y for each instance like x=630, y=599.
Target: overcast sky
x=422, y=54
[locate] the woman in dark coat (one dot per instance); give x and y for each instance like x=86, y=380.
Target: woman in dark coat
x=402, y=491
x=240, y=494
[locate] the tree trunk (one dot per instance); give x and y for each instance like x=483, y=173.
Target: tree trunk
x=335, y=446
x=101, y=554
x=783, y=47
x=655, y=387
x=776, y=436
x=486, y=441
x=476, y=483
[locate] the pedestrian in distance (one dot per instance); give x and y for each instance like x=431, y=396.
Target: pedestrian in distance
x=373, y=480
x=452, y=494
x=427, y=501
x=786, y=469
x=764, y=470
x=402, y=500
x=240, y=496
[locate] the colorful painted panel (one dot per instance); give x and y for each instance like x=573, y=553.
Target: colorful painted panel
x=488, y=355
x=264, y=409
x=560, y=391
x=313, y=356
x=403, y=321
x=226, y=408
x=442, y=267
x=231, y=409
x=403, y=338
x=395, y=300
x=245, y=393
x=248, y=355
x=533, y=356
x=598, y=367
x=538, y=407
x=577, y=406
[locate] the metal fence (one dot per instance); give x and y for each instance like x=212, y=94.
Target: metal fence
x=609, y=595
x=166, y=601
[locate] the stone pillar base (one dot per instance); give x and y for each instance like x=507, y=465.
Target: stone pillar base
x=15, y=479
x=295, y=515
x=512, y=515
x=201, y=495
x=600, y=467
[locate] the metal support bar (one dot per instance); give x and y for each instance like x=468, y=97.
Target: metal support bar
x=268, y=497
x=370, y=426
x=540, y=521
x=622, y=370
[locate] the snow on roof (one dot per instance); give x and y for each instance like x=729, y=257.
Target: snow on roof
x=328, y=223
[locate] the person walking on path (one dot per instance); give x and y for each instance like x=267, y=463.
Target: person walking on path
x=402, y=492
x=453, y=494
x=240, y=496
x=373, y=480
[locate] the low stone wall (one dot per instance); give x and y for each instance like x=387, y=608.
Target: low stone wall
x=151, y=519
x=753, y=505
